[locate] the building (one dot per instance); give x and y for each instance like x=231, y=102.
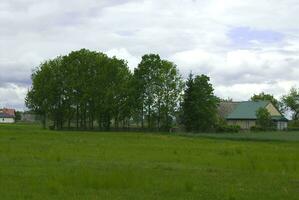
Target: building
x=7, y=115
x=243, y=113
x=29, y=117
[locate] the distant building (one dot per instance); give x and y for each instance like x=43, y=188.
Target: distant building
x=29, y=117
x=7, y=115
x=244, y=113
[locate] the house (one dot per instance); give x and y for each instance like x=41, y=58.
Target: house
x=7, y=115
x=244, y=113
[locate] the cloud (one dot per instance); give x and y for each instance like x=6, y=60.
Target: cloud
x=245, y=46
x=124, y=54
x=12, y=96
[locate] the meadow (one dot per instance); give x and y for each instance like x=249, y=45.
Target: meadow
x=43, y=164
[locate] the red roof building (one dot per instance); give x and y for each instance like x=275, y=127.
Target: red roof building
x=8, y=112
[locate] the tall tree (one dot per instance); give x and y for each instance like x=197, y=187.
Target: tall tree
x=169, y=94
x=84, y=86
x=291, y=102
x=43, y=97
x=158, y=87
x=200, y=104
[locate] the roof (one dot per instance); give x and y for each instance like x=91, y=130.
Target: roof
x=279, y=118
x=4, y=115
x=8, y=112
x=226, y=107
x=248, y=109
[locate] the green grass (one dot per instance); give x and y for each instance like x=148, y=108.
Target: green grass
x=251, y=136
x=41, y=164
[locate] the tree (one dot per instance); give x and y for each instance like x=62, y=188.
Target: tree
x=158, y=88
x=200, y=104
x=43, y=97
x=226, y=100
x=169, y=90
x=146, y=78
x=18, y=116
x=84, y=86
x=188, y=105
x=291, y=102
x=267, y=97
x=263, y=119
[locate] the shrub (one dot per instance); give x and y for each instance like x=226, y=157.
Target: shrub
x=228, y=128
x=293, y=129
x=264, y=119
x=257, y=128
x=293, y=124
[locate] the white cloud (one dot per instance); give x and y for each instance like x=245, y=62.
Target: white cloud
x=12, y=96
x=192, y=33
x=124, y=54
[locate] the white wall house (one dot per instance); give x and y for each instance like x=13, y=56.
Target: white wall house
x=6, y=118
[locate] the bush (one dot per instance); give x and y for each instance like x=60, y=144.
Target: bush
x=228, y=129
x=293, y=129
x=259, y=128
x=264, y=120
x=293, y=124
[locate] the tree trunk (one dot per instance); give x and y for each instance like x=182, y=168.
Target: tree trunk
x=159, y=115
x=149, y=117
x=77, y=116
x=142, y=118
x=44, y=121
x=92, y=119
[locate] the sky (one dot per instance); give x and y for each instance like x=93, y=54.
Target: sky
x=246, y=47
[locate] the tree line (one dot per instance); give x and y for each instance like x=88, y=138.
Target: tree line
x=89, y=90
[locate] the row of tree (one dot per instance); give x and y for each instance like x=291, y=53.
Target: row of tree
x=87, y=90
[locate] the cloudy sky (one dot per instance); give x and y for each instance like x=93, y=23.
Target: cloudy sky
x=245, y=46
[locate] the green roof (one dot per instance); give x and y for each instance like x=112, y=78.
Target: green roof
x=279, y=118
x=247, y=110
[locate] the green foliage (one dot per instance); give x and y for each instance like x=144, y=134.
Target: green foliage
x=293, y=129
x=40, y=164
x=291, y=102
x=18, y=115
x=223, y=127
x=199, y=105
x=158, y=87
x=264, y=120
x=228, y=129
x=82, y=86
x=293, y=125
x=257, y=128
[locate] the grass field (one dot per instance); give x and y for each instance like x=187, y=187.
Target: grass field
x=41, y=164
